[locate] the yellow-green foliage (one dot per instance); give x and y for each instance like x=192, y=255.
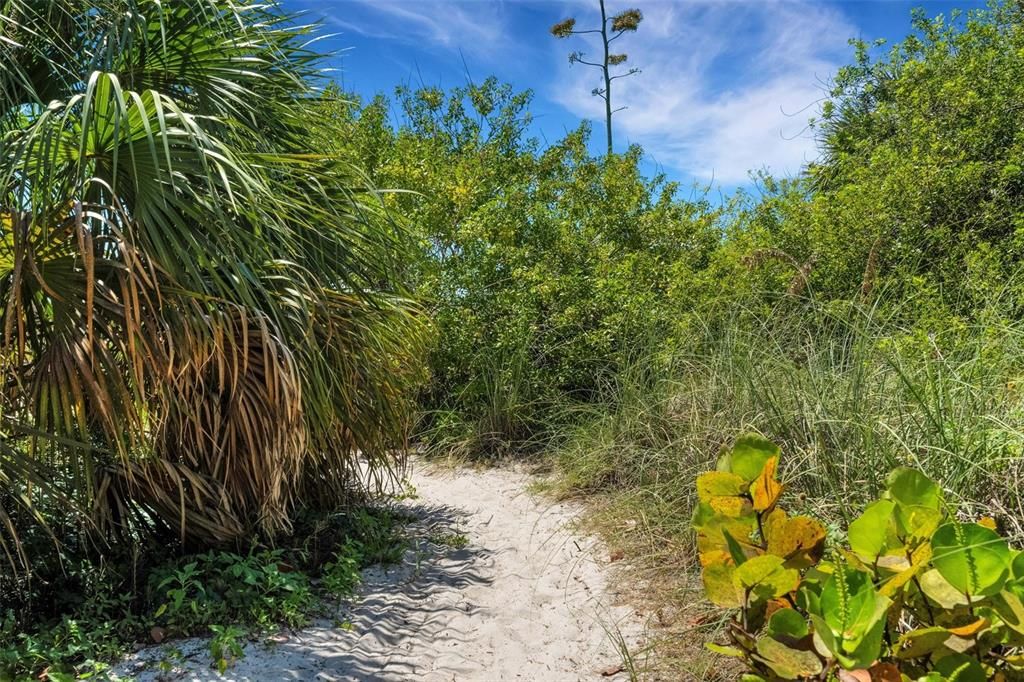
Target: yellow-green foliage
x=916, y=593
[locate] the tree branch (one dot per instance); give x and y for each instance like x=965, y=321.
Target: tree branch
x=631, y=72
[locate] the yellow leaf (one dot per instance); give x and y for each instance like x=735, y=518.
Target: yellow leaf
x=987, y=522
x=918, y=561
x=719, y=585
x=971, y=629
x=765, y=489
x=799, y=540
x=733, y=507
x=719, y=484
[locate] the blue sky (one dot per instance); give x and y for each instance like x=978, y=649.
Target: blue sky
x=727, y=86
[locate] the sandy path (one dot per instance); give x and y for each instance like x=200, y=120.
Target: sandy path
x=526, y=599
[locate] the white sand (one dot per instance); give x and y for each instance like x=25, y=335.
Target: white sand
x=526, y=599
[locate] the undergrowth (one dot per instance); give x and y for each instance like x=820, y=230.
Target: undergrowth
x=73, y=623
x=851, y=391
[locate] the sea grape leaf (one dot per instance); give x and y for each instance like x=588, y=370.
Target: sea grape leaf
x=855, y=616
x=730, y=651
x=911, y=488
x=749, y=455
x=970, y=629
x=765, y=577
x=720, y=585
x=917, y=523
x=972, y=558
x=940, y=591
x=848, y=602
x=765, y=489
x=1017, y=566
x=918, y=562
x=1010, y=609
x=733, y=507
x=871, y=533
x=799, y=540
x=921, y=642
x=719, y=484
x=787, y=622
x=960, y=668
x=787, y=662
x=851, y=654
x=862, y=652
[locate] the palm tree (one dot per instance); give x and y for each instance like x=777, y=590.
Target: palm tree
x=200, y=325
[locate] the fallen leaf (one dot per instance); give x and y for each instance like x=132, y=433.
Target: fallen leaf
x=612, y=670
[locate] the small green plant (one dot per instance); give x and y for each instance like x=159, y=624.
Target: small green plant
x=259, y=588
x=225, y=646
x=453, y=540
x=917, y=594
x=342, y=575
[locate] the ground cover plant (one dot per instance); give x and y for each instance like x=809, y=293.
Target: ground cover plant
x=912, y=593
x=103, y=611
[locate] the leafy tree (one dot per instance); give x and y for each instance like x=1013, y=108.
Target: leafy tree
x=542, y=269
x=612, y=28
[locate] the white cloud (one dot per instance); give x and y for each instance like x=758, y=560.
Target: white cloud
x=726, y=87
x=476, y=27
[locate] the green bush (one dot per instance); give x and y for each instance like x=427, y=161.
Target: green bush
x=914, y=593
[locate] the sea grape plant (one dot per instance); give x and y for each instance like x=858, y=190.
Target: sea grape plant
x=916, y=593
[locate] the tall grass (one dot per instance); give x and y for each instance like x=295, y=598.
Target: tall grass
x=849, y=391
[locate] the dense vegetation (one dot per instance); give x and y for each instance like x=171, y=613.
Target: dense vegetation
x=208, y=309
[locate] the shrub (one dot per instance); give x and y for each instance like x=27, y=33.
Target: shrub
x=915, y=593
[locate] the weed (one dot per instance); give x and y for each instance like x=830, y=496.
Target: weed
x=225, y=646
x=453, y=540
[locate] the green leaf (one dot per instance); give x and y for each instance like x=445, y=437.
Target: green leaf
x=921, y=642
x=854, y=615
x=1010, y=608
x=735, y=550
x=960, y=668
x=765, y=577
x=719, y=583
x=911, y=488
x=749, y=455
x=972, y=558
x=730, y=651
x=869, y=535
x=787, y=622
x=940, y=591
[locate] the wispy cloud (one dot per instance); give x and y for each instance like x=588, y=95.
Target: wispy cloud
x=474, y=27
x=726, y=87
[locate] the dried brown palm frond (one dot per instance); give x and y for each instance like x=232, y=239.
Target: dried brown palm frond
x=200, y=321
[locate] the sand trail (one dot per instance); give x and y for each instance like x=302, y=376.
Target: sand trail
x=527, y=598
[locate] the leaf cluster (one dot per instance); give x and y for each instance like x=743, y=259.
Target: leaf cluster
x=915, y=593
